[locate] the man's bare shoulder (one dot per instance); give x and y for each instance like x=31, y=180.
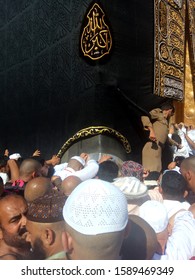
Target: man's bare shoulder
x=10, y=256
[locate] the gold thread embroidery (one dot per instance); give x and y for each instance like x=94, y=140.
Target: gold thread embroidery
x=92, y=131
x=96, y=39
x=169, y=48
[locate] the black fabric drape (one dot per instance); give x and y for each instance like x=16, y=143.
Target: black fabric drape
x=48, y=91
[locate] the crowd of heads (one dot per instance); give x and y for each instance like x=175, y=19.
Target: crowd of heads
x=113, y=214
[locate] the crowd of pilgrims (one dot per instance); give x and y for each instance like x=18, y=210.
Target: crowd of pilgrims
x=98, y=209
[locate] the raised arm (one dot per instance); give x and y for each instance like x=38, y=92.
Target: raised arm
x=190, y=142
x=14, y=169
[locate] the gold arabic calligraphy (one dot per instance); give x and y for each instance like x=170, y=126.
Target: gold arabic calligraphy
x=96, y=40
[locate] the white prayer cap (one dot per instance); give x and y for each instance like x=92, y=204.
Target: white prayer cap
x=95, y=207
x=15, y=156
x=155, y=214
x=132, y=187
x=79, y=159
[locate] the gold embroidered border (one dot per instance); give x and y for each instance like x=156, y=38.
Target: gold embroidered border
x=92, y=131
x=189, y=103
x=169, y=48
x=191, y=20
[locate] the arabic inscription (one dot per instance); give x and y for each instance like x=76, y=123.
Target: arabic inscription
x=96, y=39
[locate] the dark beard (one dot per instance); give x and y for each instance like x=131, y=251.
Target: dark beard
x=38, y=252
x=16, y=241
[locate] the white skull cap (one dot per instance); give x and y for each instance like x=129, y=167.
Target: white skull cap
x=95, y=207
x=132, y=187
x=79, y=159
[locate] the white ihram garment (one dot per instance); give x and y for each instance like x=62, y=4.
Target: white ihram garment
x=181, y=243
x=88, y=172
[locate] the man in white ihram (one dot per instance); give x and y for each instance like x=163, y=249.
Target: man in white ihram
x=79, y=166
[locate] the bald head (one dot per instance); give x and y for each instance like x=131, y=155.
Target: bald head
x=105, y=246
x=69, y=184
x=187, y=169
x=188, y=164
x=75, y=164
x=36, y=188
x=29, y=168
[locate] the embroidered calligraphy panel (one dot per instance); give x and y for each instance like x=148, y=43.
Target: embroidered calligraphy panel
x=96, y=39
x=191, y=18
x=169, y=48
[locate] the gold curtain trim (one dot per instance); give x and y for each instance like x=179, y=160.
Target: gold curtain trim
x=169, y=30
x=92, y=131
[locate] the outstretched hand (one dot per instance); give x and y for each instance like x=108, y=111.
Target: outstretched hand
x=6, y=153
x=85, y=156
x=36, y=153
x=104, y=157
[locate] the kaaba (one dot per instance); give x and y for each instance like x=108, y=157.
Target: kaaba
x=68, y=66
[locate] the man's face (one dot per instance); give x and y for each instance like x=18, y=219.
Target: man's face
x=13, y=221
x=189, y=177
x=33, y=236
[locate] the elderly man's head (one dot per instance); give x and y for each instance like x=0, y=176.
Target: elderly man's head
x=69, y=184
x=96, y=221
x=37, y=187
